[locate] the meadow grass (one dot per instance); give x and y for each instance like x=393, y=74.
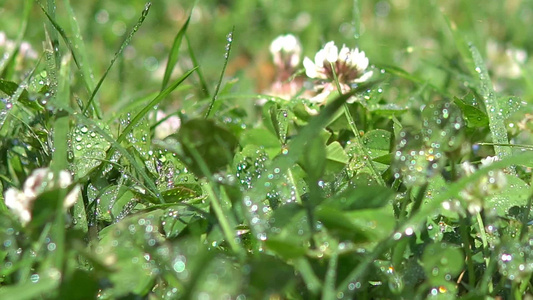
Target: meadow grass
x=186, y=150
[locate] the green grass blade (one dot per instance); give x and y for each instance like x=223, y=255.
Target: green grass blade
x=61, y=124
x=80, y=64
x=77, y=42
x=356, y=16
x=54, y=39
x=226, y=58
x=477, y=68
x=61, y=130
x=174, y=51
x=151, y=105
x=117, y=54
x=494, y=112
x=328, y=292
x=203, y=83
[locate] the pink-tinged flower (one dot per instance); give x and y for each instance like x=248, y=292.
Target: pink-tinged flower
x=168, y=126
x=348, y=65
x=40, y=180
x=286, y=51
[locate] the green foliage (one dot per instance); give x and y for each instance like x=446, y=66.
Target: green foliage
x=383, y=191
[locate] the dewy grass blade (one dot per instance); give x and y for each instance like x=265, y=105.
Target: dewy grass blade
x=494, y=112
x=10, y=53
x=51, y=9
x=77, y=42
x=229, y=38
x=151, y=105
x=61, y=124
x=420, y=216
x=174, y=51
x=472, y=58
x=118, y=53
x=82, y=63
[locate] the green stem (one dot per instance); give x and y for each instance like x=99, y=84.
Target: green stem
x=331, y=276
x=483, y=236
x=358, y=141
x=466, y=245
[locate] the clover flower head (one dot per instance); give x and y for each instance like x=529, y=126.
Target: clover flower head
x=349, y=66
x=286, y=51
x=40, y=181
x=168, y=126
x=475, y=193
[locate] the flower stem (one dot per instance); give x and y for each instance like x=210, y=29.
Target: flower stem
x=358, y=141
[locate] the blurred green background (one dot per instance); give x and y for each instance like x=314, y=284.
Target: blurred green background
x=410, y=34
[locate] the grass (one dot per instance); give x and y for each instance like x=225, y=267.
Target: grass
x=383, y=191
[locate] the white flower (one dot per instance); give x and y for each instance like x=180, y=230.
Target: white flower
x=475, y=193
x=487, y=161
x=168, y=126
x=505, y=62
x=41, y=180
x=286, y=51
x=348, y=65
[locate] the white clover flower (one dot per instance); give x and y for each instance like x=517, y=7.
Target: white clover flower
x=167, y=127
x=286, y=51
x=348, y=65
x=505, y=61
x=476, y=192
x=41, y=180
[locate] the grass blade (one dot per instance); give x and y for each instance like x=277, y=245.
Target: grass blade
x=51, y=5
x=226, y=58
x=174, y=51
x=494, y=112
x=78, y=44
x=477, y=68
x=151, y=105
x=203, y=83
x=81, y=64
x=117, y=55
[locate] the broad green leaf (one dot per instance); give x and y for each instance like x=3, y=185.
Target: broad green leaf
x=515, y=193
x=442, y=263
x=88, y=148
x=112, y=202
x=377, y=142
x=474, y=117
